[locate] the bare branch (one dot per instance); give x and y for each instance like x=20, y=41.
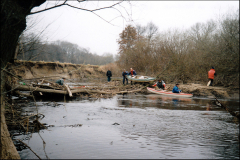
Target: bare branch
x=47, y=9
x=28, y=147
x=81, y=1
x=64, y=2
x=75, y=7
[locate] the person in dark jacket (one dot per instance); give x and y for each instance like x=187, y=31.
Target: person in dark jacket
x=60, y=81
x=124, y=74
x=161, y=84
x=109, y=75
x=211, y=74
x=175, y=89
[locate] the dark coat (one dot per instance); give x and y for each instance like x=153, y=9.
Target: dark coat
x=124, y=73
x=109, y=73
x=160, y=85
x=60, y=81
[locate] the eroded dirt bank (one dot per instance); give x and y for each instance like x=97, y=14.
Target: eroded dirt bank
x=32, y=71
x=41, y=69
x=200, y=90
x=78, y=72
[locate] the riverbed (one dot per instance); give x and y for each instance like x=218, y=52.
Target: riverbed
x=138, y=126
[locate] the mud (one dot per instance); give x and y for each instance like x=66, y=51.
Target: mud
x=75, y=73
x=54, y=70
x=201, y=90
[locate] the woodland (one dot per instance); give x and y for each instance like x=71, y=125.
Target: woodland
x=184, y=55
x=174, y=55
x=33, y=48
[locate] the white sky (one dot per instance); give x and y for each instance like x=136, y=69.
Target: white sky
x=89, y=31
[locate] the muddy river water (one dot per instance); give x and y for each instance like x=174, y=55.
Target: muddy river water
x=134, y=126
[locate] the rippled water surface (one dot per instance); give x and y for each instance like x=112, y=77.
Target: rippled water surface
x=135, y=126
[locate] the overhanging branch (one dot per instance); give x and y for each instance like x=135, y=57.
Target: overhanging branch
x=75, y=7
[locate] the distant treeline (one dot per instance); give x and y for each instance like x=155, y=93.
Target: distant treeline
x=32, y=48
x=185, y=55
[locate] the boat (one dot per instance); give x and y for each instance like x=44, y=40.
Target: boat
x=140, y=78
x=169, y=93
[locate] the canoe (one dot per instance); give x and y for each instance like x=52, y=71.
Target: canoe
x=169, y=93
x=139, y=78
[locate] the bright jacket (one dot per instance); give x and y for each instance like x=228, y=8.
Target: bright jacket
x=211, y=73
x=134, y=73
x=175, y=89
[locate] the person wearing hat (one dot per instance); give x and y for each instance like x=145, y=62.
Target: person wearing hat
x=60, y=81
x=211, y=74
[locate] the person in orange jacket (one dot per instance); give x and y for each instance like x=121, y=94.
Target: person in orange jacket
x=211, y=74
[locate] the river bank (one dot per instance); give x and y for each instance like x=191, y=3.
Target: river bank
x=32, y=71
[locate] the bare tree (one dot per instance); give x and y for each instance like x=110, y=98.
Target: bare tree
x=151, y=30
x=66, y=3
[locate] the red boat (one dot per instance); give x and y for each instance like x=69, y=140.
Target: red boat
x=169, y=93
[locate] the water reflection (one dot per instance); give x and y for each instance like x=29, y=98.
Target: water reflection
x=150, y=126
x=166, y=102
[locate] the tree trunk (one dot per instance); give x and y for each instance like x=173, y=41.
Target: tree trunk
x=13, y=22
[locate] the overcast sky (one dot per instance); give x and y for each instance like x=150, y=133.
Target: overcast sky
x=90, y=31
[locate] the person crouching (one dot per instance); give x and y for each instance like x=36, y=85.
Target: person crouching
x=160, y=85
x=60, y=81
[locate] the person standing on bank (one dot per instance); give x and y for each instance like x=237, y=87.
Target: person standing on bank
x=60, y=81
x=211, y=74
x=109, y=75
x=175, y=89
x=132, y=73
x=124, y=73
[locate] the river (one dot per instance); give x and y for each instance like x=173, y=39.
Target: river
x=138, y=126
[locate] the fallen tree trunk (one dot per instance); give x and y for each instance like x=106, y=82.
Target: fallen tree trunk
x=68, y=89
x=124, y=92
x=82, y=90
x=235, y=114
x=36, y=89
x=23, y=94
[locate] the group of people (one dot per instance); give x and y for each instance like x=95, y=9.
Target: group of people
x=162, y=86
x=124, y=74
x=159, y=85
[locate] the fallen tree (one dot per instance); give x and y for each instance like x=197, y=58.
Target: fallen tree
x=65, y=92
